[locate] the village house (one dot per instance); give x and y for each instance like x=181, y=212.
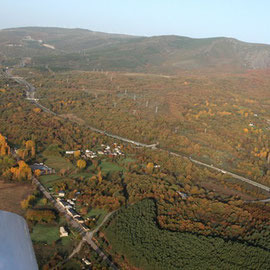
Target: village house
x=71, y=202
x=42, y=168
x=64, y=204
x=79, y=219
x=61, y=193
x=63, y=232
x=73, y=213
x=85, y=227
x=86, y=261
x=182, y=194
x=70, y=152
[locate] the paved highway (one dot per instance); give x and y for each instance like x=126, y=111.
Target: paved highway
x=241, y=178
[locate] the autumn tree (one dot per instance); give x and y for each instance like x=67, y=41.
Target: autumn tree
x=29, y=201
x=77, y=154
x=81, y=164
x=150, y=168
x=30, y=146
x=23, y=171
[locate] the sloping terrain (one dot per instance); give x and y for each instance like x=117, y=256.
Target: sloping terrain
x=87, y=50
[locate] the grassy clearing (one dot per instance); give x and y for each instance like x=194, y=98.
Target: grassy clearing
x=50, y=180
x=128, y=159
x=110, y=167
x=82, y=174
x=45, y=234
x=58, y=163
x=71, y=265
x=100, y=213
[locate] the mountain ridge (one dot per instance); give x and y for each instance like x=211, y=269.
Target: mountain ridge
x=76, y=48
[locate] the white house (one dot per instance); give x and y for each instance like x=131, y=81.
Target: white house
x=63, y=232
x=72, y=213
x=87, y=262
x=79, y=219
x=61, y=194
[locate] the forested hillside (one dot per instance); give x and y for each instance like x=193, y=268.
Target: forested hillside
x=134, y=234
x=73, y=49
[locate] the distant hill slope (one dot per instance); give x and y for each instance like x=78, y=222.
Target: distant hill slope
x=61, y=48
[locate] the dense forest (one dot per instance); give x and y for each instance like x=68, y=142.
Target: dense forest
x=134, y=235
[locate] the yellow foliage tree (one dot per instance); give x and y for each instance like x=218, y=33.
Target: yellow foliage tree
x=37, y=110
x=29, y=144
x=81, y=164
x=150, y=168
x=99, y=175
x=77, y=153
x=21, y=172
x=33, y=152
x=28, y=201
x=37, y=173
x=4, y=148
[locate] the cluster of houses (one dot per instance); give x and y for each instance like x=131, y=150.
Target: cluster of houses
x=69, y=206
x=105, y=150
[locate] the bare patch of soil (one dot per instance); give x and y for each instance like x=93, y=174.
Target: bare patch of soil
x=11, y=195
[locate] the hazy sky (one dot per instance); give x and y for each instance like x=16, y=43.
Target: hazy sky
x=247, y=20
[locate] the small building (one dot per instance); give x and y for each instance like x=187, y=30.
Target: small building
x=42, y=168
x=85, y=227
x=86, y=261
x=71, y=202
x=65, y=204
x=182, y=194
x=72, y=213
x=63, y=232
x=61, y=193
x=70, y=152
x=79, y=219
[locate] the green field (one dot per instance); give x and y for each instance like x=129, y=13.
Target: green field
x=50, y=180
x=45, y=234
x=58, y=163
x=107, y=166
x=71, y=265
x=100, y=213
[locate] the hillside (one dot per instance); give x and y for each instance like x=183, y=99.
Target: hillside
x=71, y=49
